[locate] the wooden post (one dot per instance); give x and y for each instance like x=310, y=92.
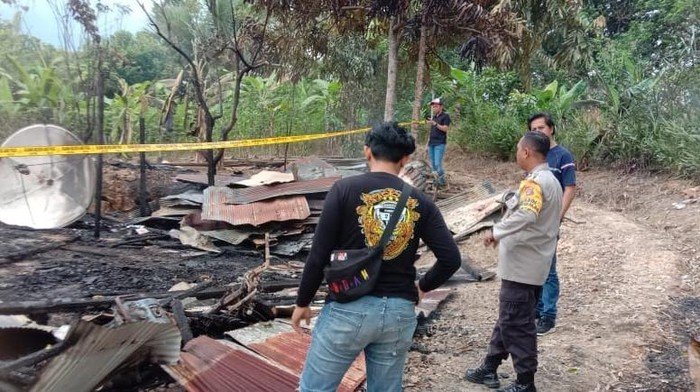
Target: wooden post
x=99, y=124
x=143, y=202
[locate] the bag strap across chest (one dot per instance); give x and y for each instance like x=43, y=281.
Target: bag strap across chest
x=395, y=216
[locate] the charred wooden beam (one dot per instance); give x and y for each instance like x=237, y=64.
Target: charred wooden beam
x=69, y=305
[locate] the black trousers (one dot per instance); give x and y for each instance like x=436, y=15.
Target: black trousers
x=515, y=332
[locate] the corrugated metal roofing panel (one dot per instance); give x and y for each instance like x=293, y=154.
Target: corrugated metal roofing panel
x=279, y=210
x=292, y=246
x=465, y=216
x=232, y=236
x=192, y=196
x=207, y=365
x=264, y=192
x=278, y=342
x=259, y=332
x=174, y=211
x=101, y=349
x=201, y=178
x=468, y=196
x=289, y=350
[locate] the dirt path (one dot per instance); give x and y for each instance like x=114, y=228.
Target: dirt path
x=622, y=322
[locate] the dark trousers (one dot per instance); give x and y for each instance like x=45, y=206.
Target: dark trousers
x=515, y=332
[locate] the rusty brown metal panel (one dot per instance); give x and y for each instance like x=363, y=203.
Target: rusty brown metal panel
x=264, y=192
x=207, y=365
x=278, y=342
x=289, y=350
x=278, y=210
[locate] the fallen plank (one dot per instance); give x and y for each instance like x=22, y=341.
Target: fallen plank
x=462, y=218
x=72, y=304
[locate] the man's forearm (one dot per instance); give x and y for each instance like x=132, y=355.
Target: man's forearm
x=567, y=198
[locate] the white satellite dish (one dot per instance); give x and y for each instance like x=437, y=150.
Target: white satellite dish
x=45, y=192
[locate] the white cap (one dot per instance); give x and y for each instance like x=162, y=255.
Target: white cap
x=436, y=101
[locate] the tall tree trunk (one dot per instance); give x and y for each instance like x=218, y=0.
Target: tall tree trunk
x=391, y=69
x=420, y=70
x=240, y=73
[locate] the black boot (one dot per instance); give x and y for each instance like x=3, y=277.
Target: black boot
x=518, y=387
x=483, y=375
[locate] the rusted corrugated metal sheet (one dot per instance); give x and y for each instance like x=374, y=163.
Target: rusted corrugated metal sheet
x=208, y=365
x=195, y=197
x=278, y=342
x=289, y=350
x=278, y=210
x=99, y=350
x=468, y=196
x=264, y=192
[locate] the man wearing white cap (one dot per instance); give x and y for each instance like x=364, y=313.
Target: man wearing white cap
x=439, y=125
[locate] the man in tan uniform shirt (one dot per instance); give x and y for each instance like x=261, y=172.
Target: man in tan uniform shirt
x=526, y=239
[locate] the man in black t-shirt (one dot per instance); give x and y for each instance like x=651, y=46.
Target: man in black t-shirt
x=382, y=323
x=439, y=125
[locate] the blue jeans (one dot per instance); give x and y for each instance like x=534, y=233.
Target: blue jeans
x=436, y=153
x=382, y=327
x=547, y=306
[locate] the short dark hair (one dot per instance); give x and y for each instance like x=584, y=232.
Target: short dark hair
x=547, y=120
x=538, y=141
x=390, y=142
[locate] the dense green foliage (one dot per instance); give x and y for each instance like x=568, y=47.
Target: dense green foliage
x=621, y=79
x=637, y=103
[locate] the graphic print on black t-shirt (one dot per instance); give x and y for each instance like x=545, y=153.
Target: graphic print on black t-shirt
x=375, y=213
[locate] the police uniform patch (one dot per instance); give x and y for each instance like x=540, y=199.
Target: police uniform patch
x=530, y=196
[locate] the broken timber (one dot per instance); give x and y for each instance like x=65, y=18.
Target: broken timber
x=76, y=305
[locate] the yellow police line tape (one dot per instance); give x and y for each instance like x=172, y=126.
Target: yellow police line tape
x=31, y=151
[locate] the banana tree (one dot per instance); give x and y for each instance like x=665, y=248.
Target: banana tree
x=121, y=109
x=324, y=95
x=265, y=92
x=37, y=90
